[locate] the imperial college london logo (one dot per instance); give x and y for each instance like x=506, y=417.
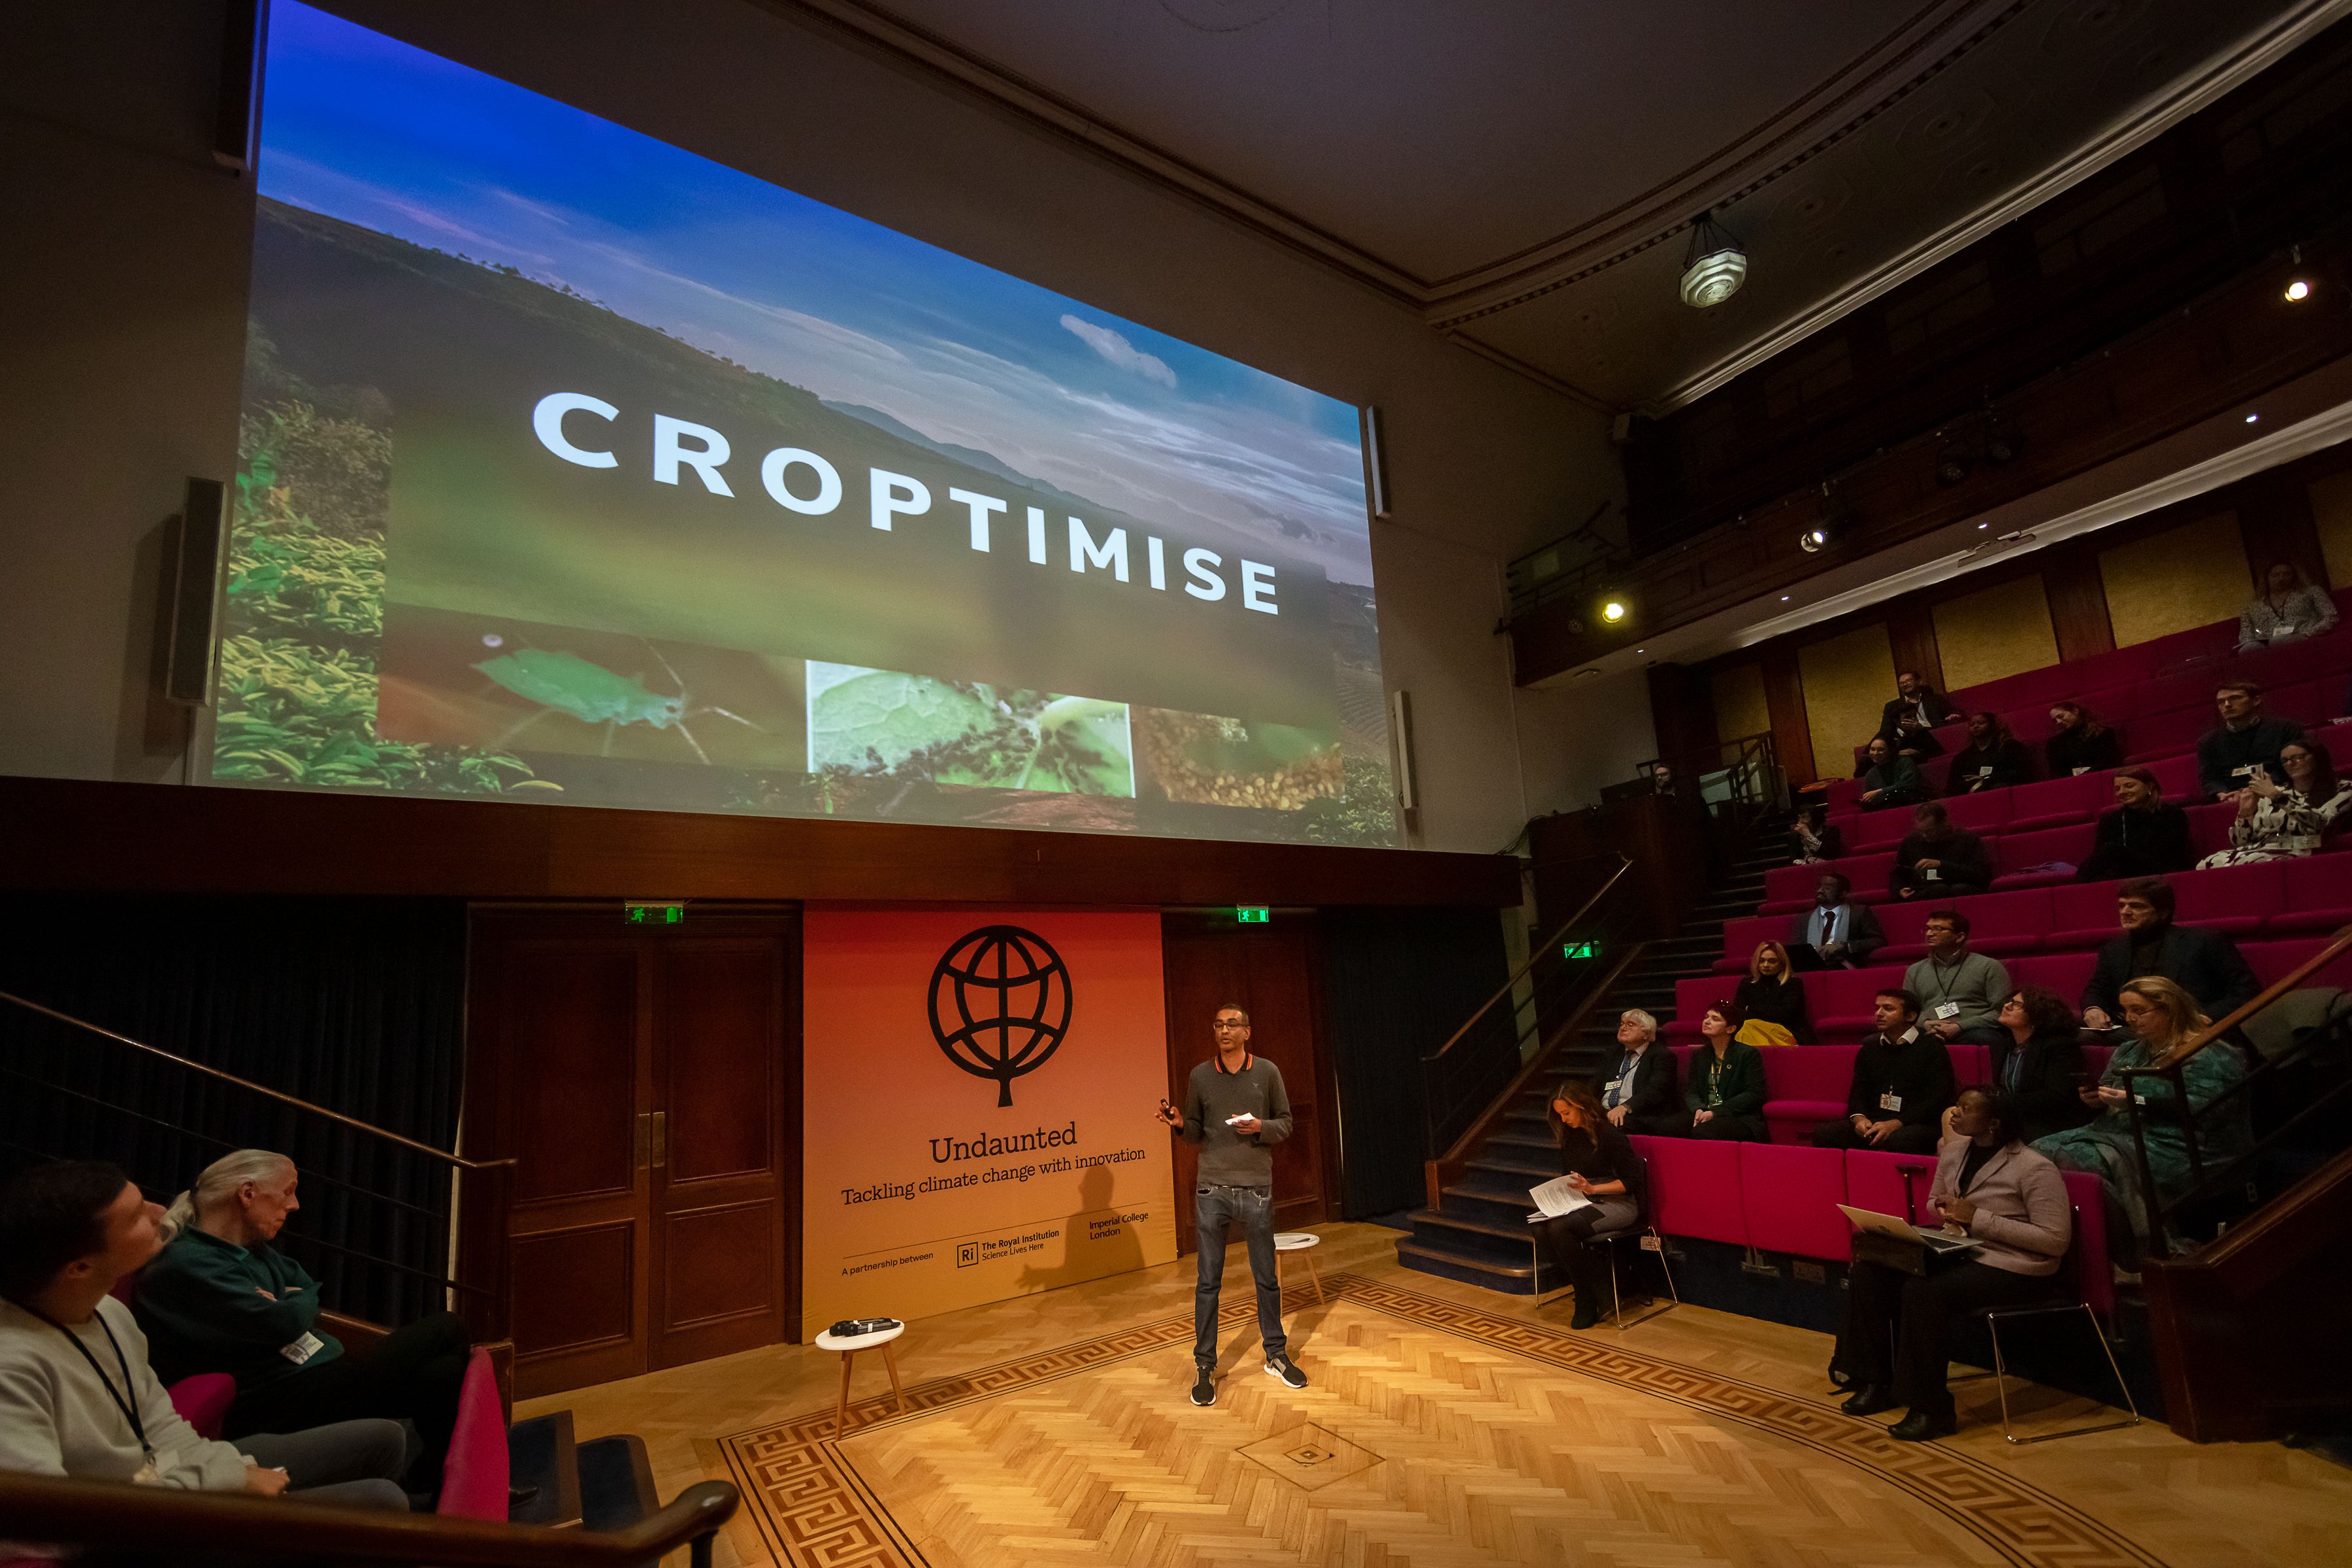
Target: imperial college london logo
x=1000, y=1003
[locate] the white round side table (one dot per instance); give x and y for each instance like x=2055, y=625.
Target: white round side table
x=1303, y=1242
x=850, y=1345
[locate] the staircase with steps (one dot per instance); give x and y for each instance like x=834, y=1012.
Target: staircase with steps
x=1478, y=1232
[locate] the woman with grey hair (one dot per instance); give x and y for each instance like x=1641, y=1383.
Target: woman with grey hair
x=221, y=1297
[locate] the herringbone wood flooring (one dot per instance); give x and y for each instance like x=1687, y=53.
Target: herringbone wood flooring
x=1053, y=1429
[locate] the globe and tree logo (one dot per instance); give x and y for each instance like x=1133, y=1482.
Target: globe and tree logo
x=1000, y=1003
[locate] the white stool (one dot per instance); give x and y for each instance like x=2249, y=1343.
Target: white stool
x=1303, y=1242
x=849, y=1346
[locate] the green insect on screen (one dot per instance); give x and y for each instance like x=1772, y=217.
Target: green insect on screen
x=578, y=467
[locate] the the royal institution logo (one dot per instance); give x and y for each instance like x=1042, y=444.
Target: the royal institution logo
x=1000, y=1003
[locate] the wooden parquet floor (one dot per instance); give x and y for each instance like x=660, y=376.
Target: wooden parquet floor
x=1444, y=1425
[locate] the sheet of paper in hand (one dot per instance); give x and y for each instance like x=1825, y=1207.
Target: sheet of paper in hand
x=1555, y=1198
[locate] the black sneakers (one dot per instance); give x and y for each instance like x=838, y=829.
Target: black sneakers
x=1204, y=1391
x=1279, y=1366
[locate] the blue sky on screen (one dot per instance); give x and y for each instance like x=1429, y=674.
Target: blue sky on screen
x=373, y=131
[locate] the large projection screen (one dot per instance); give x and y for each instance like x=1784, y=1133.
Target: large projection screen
x=577, y=467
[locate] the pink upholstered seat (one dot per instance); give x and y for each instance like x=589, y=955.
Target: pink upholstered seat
x=203, y=1401
x=2272, y=962
x=2000, y=924
x=1875, y=1180
x=2059, y=803
x=2317, y=895
x=474, y=1477
x=2064, y=972
x=2209, y=827
x=2017, y=857
x=2155, y=735
x=1805, y=1088
x=2177, y=777
x=1694, y=1188
x=1788, y=1198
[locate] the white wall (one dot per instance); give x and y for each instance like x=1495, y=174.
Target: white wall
x=1574, y=739
x=124, y=278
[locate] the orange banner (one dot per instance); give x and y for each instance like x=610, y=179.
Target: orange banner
x=978, y=1109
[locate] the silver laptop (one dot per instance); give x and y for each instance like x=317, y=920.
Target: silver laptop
x=1889, y=1225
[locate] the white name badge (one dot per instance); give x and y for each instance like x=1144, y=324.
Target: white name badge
x=303, y=1348
x=1611, y=1086
x=2079, y=771
x=1930, y=874
x=1948, y=1009
x=1984, y=772
x=1890, y=1102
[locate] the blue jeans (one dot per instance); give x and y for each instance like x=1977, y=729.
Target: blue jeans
x=1214, y=1208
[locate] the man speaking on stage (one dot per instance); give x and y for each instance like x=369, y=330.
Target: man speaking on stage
x=1234, y=1108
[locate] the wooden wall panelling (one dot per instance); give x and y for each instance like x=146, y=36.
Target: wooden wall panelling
x=2276, y=523
x=2328, y=501
x=1911, y=639
x=1741, y=707
x=2077, y=600
x=1994, y=630
x=131, y=838
x=1784, y=695
x=2189, y=576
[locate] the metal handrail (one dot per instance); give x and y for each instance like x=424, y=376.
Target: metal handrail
x=457, y=1162
x=106, y=1513
x=1534, y=954
x=2172, y=1070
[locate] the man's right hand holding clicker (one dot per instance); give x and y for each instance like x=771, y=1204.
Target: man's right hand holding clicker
x=1170, y=1115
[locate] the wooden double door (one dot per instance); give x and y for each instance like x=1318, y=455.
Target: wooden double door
x=1273, y=971
x=646, y=1083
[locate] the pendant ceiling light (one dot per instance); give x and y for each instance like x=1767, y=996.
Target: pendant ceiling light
x=1715, y=266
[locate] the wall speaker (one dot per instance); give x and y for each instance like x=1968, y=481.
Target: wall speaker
x=1376, y=462
x=238, y=113
x=1408, y=788
x=191, y=583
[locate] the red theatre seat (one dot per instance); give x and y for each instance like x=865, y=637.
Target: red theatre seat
x=1788, y=1198
x=1805, y=1088
x=2318, y=895
x=2032, y=860
x=203, y=1401
x=2060, y=802
x=1694, y=1188
x=2064, y=972
x=2159, y=735
x=474, y=1477
x=1892, y=1184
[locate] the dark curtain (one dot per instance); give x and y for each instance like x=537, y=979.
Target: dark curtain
x=355, y=1005
x=1396, y=984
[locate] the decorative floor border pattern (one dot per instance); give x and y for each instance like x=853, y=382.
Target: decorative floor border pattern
x=808, y=1508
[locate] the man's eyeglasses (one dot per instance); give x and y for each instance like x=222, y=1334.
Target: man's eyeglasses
x=1222, y=1024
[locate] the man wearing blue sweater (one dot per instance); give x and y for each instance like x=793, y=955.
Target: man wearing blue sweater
x=1234, y=1108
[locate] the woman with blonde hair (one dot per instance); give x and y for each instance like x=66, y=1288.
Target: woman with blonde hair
x=221, y=1297
x=2161, y=1021
x=1771, y=1001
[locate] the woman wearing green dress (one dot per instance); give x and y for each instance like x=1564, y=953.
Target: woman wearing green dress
x=2162, y=1019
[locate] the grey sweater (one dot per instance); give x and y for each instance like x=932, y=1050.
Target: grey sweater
x=57, y=1418
x=1231, y=1158
x=1979, y=985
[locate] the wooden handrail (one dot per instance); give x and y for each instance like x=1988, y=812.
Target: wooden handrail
x=112, y=1513
x=446, y=1158
x=2338, y=945
x=1535, y=953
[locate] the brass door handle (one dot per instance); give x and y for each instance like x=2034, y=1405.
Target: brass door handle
x=661, y=1139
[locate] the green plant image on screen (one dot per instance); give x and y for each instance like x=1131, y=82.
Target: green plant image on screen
x=577, y=467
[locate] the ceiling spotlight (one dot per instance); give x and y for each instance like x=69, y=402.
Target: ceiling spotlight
x=1814, y=539
x=2298, y=291
x=1951, y=468
x=2251, y=417
x=1784, y=598
x=1715, y=266
x=1615, y=609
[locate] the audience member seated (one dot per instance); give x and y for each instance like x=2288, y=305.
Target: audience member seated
x=1959, y=991
x=1771, y=1001
x=1812, y=838
x=1663, y=780
x=1938, y=860
x=1639, y=1095
x=2286, y=821
x=1897, y=1342
x=2247, y=739
x=1902, y=1082
x=77, y=1397
x=221, y=1298
x=2141, y=836
x=1837, y=932
x=1992, y=760
x=1725, y=1097
x=1914, y=711
x=2205, y=963
x=2039, y=1066
x=2080, y=743
x=1599, y=1163
x=2160, y=1021
x=1889, y=778
x=2288, y=609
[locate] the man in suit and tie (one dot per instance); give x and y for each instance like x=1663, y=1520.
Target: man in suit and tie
x=1639, y=1092
x=1837, y=932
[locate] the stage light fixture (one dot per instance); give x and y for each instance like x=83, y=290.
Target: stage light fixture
x=1814, y=539
x=1615, y=609
x=1714, y=266
x=2298, y=291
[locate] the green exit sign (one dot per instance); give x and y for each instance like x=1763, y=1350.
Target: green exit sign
x=653, y=914
x=1579, y=949
x=1252, y=914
